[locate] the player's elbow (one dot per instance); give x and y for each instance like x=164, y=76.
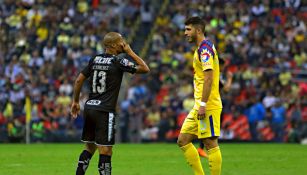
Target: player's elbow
x=80, y=79
x=143, y=69
x=77, y=81
x=146, y=69
x=208, y=80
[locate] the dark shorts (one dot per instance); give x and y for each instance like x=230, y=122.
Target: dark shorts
x=99, y=127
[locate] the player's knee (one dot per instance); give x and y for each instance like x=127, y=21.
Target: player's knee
x=184, y=139
x=181, y=142
x=210, y=143
x=105, y=150
x=90, y=147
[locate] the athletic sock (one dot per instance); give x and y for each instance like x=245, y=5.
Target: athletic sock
x=192, y=157
x=104, y=165
x=84, y=161
x=215, y=161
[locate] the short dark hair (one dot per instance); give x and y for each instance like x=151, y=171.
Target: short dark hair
x=196, y=21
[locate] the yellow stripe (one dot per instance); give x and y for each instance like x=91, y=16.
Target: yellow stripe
x=28, y=109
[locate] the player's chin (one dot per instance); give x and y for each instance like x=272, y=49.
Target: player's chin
x=190, y=40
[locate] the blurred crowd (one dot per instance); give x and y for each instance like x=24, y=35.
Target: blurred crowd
x=263, y=43
x=44, y=44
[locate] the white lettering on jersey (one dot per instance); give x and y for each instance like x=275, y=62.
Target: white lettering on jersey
x=93, y=102
x=102, y=60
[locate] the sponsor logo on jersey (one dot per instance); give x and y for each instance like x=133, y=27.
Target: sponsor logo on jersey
x=93, y=102
x=103, y=60
x=205, y=57
x=207, y=64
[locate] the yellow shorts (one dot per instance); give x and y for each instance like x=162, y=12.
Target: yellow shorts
x=208, y=127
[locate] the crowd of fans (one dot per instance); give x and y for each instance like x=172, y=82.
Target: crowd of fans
x=263, y=44
x=44, y=44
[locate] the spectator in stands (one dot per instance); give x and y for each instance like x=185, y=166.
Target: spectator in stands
x=255, y=113
x=278, y=120
x=41, y=43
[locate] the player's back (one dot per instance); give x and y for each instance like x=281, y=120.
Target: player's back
x=105, y=74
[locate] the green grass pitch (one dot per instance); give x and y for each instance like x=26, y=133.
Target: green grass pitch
x=153, y=159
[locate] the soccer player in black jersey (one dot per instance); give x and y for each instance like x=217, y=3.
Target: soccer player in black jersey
x=105, y=72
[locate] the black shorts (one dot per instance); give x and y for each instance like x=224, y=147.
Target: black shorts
x=99, y=127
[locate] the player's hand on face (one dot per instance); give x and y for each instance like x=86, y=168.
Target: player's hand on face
x=201, y=113
x=74, y=110
x=126, y=47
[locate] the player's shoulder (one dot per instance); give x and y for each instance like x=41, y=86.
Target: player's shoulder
x=206, y=45
x=125, y=60
x=105, y=55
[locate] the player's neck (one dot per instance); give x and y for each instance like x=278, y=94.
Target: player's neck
x=111, y=51
x=200, y=39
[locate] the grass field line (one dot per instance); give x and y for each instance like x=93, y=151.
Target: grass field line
x=14, y=165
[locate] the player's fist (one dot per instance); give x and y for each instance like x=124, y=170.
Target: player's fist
x=201, y=113
x=74, y=110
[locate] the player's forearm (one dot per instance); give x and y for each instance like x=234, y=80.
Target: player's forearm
x=142, y=66
x=77, y=87
x=207, y=86
x=227, y=84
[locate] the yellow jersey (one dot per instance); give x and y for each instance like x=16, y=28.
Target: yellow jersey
x=205, y=58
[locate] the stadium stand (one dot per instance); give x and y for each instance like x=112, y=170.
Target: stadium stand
x=264, y=45
x=44, y=44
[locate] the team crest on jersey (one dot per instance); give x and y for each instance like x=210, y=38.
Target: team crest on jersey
x=126, y=62
x=205, y=57
x=93, y=102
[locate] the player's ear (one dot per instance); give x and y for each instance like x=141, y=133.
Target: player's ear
x=114, y=45
x=199, y=30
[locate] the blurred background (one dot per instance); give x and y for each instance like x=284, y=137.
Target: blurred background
x=45, y=43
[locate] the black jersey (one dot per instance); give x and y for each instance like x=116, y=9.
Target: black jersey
x=105, y=73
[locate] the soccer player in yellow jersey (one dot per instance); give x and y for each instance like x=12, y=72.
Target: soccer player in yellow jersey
x=203, y=121
x=225, y=85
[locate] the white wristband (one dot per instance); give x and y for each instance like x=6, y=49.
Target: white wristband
x=202, y=103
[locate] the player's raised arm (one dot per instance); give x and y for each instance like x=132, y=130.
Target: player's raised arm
x=142, y=66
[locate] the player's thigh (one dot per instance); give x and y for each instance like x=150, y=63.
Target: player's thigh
x=88, y=132
x=210, y=126
x=190, y=124
x=105, y=129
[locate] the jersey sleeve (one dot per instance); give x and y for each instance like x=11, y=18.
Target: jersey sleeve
x=206, y=55
x=87, y=70
x=126, y=65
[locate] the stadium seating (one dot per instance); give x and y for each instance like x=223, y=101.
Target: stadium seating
x=44, y=44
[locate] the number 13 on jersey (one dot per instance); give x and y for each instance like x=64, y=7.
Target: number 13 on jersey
x=99, y=87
